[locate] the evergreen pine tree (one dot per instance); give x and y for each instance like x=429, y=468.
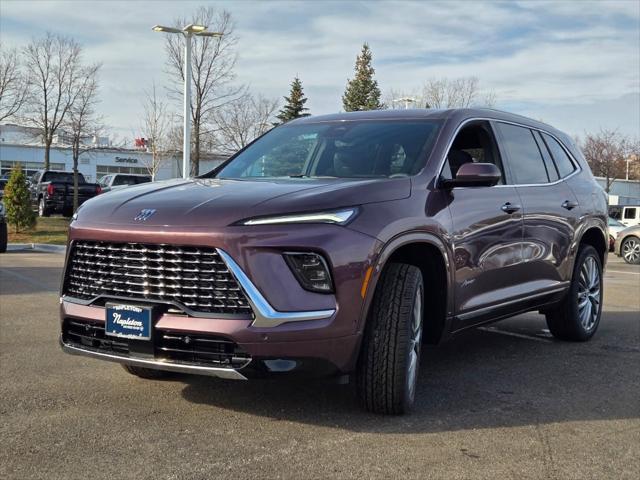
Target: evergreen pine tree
x=17, y=201
x=294, y=106
x=362, y=92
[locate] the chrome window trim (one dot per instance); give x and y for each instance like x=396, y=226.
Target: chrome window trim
x=576, y=164
x=265, y=315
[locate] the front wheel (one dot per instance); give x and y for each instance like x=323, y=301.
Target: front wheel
x=577, y=317
x=630, y=250
x=390, y=356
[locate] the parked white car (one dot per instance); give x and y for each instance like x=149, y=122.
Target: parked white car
x=121, y=180
x=629, y=215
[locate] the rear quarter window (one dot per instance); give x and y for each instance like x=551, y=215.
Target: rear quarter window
x=562, y=160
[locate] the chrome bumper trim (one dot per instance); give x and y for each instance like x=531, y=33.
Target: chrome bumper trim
x=228, y=373
x=266, y=315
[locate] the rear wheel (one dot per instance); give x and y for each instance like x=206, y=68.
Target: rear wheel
x=577, y=317
x=390, y=356
x=630, y=250
x=43, y=211
x=148, y=373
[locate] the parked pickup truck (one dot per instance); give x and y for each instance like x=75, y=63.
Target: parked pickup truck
x=52, y=192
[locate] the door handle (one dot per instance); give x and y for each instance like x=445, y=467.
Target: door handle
x=569, y=205
x=510, y=207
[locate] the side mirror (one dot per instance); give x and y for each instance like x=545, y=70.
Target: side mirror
x=475, y=175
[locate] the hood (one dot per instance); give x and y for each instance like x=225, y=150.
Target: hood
x=218, y=203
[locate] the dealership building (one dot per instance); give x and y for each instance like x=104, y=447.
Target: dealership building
x=23, y=145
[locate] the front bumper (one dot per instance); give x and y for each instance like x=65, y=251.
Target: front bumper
x=228, y=373
x=291, y=330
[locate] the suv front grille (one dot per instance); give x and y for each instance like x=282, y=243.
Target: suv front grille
x=193, y=278
x=174, y=347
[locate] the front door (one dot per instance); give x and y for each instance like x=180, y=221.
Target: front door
x=487, y=230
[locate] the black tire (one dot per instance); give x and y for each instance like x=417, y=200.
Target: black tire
x=4, y=237
x=43, y=210
x=567, y=320
x=390, y=355
x=147, y=373
x=630, y=250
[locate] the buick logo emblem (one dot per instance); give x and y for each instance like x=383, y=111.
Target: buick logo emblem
x=145, y=214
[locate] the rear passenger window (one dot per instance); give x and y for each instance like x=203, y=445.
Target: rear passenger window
x=524, y=157
x=563, y=162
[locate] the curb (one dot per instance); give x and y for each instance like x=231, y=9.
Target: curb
x=37, y=247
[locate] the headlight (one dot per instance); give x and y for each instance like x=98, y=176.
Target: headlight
x=339, y=217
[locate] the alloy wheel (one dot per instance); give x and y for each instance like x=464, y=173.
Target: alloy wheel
x=631, y=250
x=589, y=293
x=415, y=343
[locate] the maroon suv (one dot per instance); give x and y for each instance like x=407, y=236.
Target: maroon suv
x=339, y=244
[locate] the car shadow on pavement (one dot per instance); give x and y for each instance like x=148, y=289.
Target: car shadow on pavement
x=480, y=379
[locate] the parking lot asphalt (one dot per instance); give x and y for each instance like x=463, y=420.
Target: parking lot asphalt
x=505, y=401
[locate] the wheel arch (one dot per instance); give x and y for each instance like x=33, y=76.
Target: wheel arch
x=598, y=239
x=429, y=253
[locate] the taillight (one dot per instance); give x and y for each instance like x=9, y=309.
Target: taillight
x=98, y=190
x=51, y=189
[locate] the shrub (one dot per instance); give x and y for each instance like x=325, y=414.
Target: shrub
x=17, y=201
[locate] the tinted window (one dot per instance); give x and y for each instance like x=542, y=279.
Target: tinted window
x=565, y=166
x=525, y=161
x=552, y=172
x=124, y=180
x=63, y=177
x=629, y=213
x=337, y=149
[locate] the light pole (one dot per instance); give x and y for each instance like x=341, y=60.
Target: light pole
x=188, y=32
x=406, y=100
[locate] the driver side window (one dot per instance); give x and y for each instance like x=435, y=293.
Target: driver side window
x=474, y=143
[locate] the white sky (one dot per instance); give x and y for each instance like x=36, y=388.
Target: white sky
x=573, y=64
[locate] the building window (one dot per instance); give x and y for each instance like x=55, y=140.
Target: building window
x=102, y=170
x=29, y=168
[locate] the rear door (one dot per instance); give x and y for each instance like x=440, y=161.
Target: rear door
x=550, y=208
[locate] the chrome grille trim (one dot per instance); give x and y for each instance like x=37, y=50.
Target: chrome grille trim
x=195, y=279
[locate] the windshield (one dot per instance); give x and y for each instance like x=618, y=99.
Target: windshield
x=351, y=149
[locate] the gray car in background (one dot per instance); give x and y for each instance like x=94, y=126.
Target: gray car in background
x=627, y=245
x=121, y=180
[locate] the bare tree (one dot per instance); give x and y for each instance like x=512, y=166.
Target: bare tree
x=82, y=120
x=462, y=92
x=606, y=153
x=213, y=63
x=13, y=85
x=155, y=128
x=243, y=120
x=54, y=69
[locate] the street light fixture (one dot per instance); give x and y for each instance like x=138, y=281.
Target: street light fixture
x=188, y=32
